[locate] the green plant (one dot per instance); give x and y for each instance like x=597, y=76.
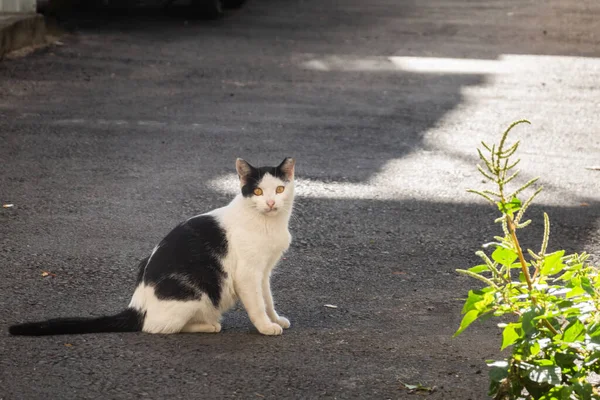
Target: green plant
x=551, y=300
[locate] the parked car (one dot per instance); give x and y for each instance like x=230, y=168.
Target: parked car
x=211, y=9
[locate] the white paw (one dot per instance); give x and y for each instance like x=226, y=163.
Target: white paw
x=217, y=327
x=283, y=322
x=271, y=329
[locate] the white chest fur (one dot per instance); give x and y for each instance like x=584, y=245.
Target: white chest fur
x=253, y=240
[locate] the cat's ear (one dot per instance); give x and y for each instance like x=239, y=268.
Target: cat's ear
x=287, y=167
x=244, y=170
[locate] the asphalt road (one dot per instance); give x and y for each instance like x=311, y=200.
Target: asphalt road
x=133, y=123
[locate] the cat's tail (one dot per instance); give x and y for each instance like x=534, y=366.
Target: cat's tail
x=128, y=320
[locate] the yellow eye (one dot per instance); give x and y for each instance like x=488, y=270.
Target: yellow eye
x=258, y=192
x=280, y=189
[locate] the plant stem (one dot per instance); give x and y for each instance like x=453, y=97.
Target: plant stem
x=513, y=234
x=549, y=326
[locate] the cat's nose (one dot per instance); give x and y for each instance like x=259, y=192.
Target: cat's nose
x=270, y=203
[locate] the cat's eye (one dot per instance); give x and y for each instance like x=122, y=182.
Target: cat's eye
x=280, y=189
x=258, y=192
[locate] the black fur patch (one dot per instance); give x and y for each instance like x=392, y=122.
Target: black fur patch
x=172, y=288
x=255, y=177
x=189, y=258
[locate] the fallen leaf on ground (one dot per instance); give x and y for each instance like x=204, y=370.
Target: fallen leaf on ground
x=330, y=306
x=259, y=395
x=8, y=205
x=235, y=83
x=46, y=273
x=68, y=345
x=399, y=273
x=417, y=388
x=584, y=205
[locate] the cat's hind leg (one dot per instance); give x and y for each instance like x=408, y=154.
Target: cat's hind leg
x=205, y=320
x=169, y=316
x=196, y=327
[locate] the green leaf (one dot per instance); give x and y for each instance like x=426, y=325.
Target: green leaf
x=543, y=362
x=565, y=360
x=479, y=268
x=535, y=348
x=493, y=388
x=558, y=393
x=510, y=334
x=584, y=390
x=574, y=331
x=518, y=265
x=594, y=332
x=528, y=321
x=552, y=263
x=593, y=359
x=498, y=371
x=587, y=285
x=566, y=277
x=466, y=321
x=575, y=292
x=546, y=374
x=479, y=300
x=564, y=304
x=522, y=277
x=474, y=297
x=504, y=256
x=536, y=390
x=511, y=207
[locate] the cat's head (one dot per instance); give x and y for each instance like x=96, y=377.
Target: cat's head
x=268, y=190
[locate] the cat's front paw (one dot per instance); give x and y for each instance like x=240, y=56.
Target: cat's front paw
x=283, y=322
x=271, y=329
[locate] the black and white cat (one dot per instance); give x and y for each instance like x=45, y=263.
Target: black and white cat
x=205, y=264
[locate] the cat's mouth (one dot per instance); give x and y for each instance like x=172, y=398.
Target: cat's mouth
x=271, y=210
